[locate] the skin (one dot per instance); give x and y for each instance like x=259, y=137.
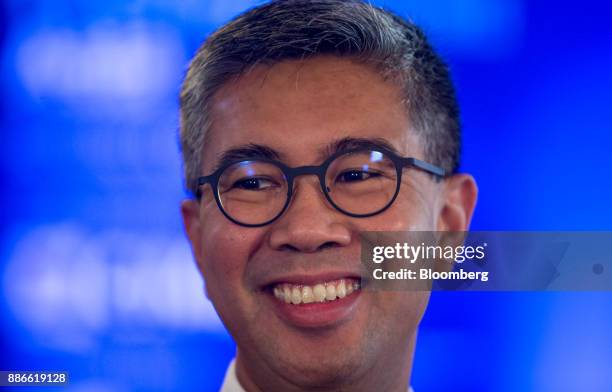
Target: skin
x=298, y=108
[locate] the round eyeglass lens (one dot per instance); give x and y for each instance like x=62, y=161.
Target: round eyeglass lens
x=362, y=183
x=252, y=192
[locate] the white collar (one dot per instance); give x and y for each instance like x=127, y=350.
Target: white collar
x=231, y=384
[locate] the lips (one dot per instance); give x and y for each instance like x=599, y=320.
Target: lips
x=315, y=301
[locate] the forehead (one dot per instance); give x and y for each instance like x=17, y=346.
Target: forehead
x=299, y=107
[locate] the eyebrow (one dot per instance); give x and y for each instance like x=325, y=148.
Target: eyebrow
x=252, y=151
x=352, y=143
x=247, y=152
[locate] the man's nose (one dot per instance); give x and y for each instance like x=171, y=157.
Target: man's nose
x=310, y=223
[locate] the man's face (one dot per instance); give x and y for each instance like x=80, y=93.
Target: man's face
x=300, y=109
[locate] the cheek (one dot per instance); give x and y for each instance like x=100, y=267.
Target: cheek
x=405, y=308
x=226, y=249
x=409, y=212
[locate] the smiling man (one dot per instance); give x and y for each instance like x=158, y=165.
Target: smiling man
x=304, y=123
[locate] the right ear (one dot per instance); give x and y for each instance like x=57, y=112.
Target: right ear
x=190, y=210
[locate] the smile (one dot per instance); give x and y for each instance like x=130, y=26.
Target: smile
x=330, y=291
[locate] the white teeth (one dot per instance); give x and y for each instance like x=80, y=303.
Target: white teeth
x=286, y=294
x=296, y=296
x=321, y=292
x=341, y=292
x=307, y=295
x=330, y=294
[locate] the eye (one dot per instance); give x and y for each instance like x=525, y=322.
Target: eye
x=356, y=176
x=253, y=184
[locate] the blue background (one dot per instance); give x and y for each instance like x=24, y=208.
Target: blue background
x=97, y=277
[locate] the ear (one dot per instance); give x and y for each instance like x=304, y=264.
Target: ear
x=190, y=210
x=459, y=199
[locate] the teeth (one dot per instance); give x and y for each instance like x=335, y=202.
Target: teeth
x=321, y=292
x=330, y=294
x=349, y=288
x=286, y=294
x=296, y=295
x=307, y=295
x=341, y=293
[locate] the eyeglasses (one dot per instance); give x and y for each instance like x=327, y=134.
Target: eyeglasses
x=359, y=183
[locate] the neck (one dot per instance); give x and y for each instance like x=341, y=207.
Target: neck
x=390, y=373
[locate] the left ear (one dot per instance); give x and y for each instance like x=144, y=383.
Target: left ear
x=457, y=204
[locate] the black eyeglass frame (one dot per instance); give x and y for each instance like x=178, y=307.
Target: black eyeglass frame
x=320, y=171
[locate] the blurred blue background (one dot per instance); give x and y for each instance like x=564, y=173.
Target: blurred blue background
x=97, y=277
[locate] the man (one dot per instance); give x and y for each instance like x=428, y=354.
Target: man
x=358, y=101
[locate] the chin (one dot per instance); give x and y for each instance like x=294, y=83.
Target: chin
x=329, y=368
x=322, y=358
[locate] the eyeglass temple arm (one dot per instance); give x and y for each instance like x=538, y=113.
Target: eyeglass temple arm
x=201, y=181
x=425, y=166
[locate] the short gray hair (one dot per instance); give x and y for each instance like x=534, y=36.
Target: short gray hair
x=298, y=29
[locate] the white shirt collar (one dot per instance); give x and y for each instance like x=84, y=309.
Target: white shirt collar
x=231, y=384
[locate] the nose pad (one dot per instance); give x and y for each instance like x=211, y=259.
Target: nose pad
x=314, y=191
x=310, y=223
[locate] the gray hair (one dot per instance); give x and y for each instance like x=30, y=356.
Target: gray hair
x=298, y=29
